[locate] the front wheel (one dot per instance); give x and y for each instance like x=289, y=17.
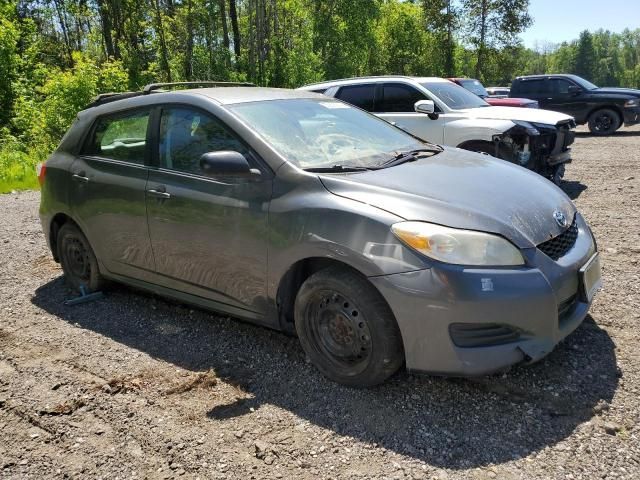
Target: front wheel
x=347, y=329
x=604, y=122
x=78, y=261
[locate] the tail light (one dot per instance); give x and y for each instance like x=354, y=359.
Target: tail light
x=41, y=170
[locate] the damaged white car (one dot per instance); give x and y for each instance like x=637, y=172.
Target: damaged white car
x=442, y=112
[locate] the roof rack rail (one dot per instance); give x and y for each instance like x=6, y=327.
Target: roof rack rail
x=156, y=86
x=103, y=98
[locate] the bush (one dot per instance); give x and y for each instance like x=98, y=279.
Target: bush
x=43, y=114
x=17, y=164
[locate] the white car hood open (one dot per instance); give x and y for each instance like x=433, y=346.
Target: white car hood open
x=514, y=113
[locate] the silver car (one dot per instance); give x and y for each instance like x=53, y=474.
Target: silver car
x=304, y=214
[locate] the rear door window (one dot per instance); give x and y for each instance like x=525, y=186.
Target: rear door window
x=398, y=97
x=359, y=95
x=120, y=137
x=532, y=87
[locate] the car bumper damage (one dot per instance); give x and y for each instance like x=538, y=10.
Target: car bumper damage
x=539, y=147
x=464, y=321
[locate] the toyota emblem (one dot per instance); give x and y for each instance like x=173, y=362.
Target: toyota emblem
x=560, y=218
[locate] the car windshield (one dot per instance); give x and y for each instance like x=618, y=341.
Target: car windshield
x=474, y=86
x=454, y=96
x=317, y=133
x=583, y=83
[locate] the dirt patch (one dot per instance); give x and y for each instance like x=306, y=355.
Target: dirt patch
x=204, y=380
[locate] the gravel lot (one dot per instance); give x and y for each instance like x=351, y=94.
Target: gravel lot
x=134, y=386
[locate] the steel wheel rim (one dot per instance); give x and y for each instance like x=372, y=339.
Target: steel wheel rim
x=339, y=332
x=77, y=258
x=603, y=122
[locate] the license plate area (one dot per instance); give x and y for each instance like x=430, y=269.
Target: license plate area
x=590, y=278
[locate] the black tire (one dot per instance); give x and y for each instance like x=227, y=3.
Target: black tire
x=78, y=261
x=347, y=329
x=557, y=174
x=604, y=122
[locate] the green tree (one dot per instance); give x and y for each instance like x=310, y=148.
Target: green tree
x=9, y=36
x=585, y=56
x=492, y=25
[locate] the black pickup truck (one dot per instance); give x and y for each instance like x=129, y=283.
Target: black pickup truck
x=604, y=109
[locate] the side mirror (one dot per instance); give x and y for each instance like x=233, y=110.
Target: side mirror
x=226, y=163
x=425, y=106
x=574, y=90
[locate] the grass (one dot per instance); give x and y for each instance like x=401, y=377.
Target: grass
x=18, y=167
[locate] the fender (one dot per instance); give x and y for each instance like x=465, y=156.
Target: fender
x=463, y=130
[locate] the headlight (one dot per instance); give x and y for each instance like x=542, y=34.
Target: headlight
x=634, y=102
x=531, y=130
x=460, y=247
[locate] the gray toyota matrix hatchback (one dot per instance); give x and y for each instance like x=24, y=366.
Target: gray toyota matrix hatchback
x=305, y=214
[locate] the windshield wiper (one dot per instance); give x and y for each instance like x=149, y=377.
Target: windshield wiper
x=336, y=169
x=408, y=156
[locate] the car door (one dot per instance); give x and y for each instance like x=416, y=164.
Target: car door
x=533, y=88
x=564, y=101
x=209, y=235
x=395, y=104
x=108, y=192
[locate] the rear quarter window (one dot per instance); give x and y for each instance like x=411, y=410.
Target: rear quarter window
x=119, y=137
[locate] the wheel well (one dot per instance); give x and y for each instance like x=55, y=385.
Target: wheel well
x=607, y=107
x=56, y=223
x=292, y=281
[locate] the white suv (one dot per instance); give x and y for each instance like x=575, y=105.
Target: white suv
x=442, y=112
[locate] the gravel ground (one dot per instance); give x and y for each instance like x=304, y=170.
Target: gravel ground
x=134, y=386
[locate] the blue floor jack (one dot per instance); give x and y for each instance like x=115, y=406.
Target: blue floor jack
x=84, y=297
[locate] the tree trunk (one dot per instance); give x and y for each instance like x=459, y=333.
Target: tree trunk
x=65, y=30
x=225, y=28
x=483, y=39
x=233, y=13
x=448, y=61
x=105, y=22
x=188, y=54
x=164, y=57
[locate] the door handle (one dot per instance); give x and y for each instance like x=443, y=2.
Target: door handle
x=79, y=177
x=159, y=194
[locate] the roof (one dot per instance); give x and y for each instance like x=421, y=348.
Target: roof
x=221, y=92
x=354, y=80
x=546, y=75
x=229, y=95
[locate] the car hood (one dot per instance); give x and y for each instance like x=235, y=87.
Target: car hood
x=617, y=91
x=462, y=189
x=514, y=113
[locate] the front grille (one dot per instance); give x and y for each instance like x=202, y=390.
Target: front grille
x=481, y=334
x=558, y=246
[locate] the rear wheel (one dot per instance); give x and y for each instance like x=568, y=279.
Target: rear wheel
x=347, y=329
x=604, y=122
x=78, y=261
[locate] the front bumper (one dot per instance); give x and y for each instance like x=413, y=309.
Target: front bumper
x=542, y=302
x=631, y=116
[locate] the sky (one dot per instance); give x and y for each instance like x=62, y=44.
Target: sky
x=556, y=21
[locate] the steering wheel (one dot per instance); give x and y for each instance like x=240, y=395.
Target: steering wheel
x=332, y=143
